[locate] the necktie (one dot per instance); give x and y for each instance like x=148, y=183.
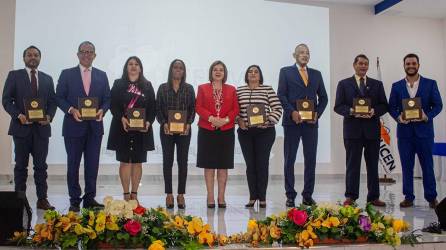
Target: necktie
x=303, y=74
x=86, y=79
x=34, y=82
x=362, y=86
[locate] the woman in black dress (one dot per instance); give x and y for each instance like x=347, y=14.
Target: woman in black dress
x=133, y=90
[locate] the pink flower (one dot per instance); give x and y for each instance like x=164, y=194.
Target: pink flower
x=133, y=227
x=299, y=217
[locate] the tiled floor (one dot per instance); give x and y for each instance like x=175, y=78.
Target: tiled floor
x=234, y=218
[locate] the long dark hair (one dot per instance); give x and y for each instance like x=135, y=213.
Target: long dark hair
x=170, y=76
x=142, y=82
x=260, y=73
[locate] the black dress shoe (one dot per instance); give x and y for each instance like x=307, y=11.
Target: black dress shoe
x=221, y=205
x=434, y=228
x=308, y=201
x=290, y=203
x=74, y=208
x=250, y=204
x=44, y=204
x=92, y=204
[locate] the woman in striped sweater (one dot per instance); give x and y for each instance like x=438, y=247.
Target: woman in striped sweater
x=256, y=133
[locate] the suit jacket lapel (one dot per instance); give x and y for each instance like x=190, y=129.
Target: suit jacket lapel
x=79, y=75
x=355, y=85
x=27, y=82
x=298, y=77
x=420, y=87
x=41, y=86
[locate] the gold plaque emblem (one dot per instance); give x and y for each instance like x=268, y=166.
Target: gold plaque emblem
x=87, y=103
x=255, y=110
x=34, y=104
x=136, y=114
x=361, y=102
x=411, y=103
x=305, y=105
x=177, y=116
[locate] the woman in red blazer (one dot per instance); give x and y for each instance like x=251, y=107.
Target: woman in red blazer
x=217, y=107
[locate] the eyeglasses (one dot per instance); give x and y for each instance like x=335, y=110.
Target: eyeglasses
x=86, y=52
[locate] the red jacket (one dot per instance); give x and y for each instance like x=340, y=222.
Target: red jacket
x=205, y=105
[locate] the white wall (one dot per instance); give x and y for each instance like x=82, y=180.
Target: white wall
x=353, y=30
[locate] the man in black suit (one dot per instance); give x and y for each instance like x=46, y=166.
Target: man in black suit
x=361, y=132
x=30, y=137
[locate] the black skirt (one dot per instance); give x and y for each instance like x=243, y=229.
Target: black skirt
x=215, y=149
x=132, y=152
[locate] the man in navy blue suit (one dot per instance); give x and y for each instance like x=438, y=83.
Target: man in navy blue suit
x=30, y=137
x=361, y=132
x=300, y=82
x=416, y=136
x=83, y=136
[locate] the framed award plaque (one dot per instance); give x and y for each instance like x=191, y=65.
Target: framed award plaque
x=412, y=109
x=361, y=106
x=305, y=108
x=88, y=107
x=256, y=115
x=34, y=109
x=177, y=121
x=137, y=119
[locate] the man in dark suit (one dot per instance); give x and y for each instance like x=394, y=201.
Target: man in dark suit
x=30, y=137
x=361, y=132
x=416, y=136
x=82, y=136
x=300, y=82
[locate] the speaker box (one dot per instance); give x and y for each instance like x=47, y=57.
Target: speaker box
x=15, y=214
x=441, y=213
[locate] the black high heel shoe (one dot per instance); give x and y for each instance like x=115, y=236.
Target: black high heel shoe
x=169, y=201
x=250, y=204
x=211, y=205
x=262, y=204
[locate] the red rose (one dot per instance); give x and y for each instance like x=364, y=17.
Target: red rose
x=139, y=210
x=299, y=217
x=133, y=227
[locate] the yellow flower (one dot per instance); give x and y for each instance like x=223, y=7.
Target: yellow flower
x=334, y=221
x=156, y=245
x=305, y=235
x=222, y=240
x=64, y=223
x=326, y=223
x=311, y=232
x=252, y=225
x=204, y=237
x=195, y=226
x=19, y=235
x=275, y=232
x=179, y=222
x=110, y=223
x=316, y=224
x=91, y=218
x=78, y=229
x=100, y=222
x=399, y=225
x=90, y=232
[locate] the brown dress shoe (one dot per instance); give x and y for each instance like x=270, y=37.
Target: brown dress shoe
x=44, y=204
x=378, y=203
x=406, y=203
x=181, y=203
x=433, y=204
x=349, y=202
x=169, y=201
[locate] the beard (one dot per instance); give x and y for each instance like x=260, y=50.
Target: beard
x=411, y=73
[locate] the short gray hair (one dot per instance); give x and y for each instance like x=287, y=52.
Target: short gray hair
x=86, y=43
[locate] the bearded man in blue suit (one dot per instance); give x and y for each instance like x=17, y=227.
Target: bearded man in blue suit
x=416, y=136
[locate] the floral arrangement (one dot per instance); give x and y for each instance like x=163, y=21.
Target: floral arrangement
x=326, y=223
x=124, y=224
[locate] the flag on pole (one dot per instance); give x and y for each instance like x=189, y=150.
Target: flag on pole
x=386, y=156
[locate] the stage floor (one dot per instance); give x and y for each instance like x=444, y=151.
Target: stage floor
x=234, y=218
